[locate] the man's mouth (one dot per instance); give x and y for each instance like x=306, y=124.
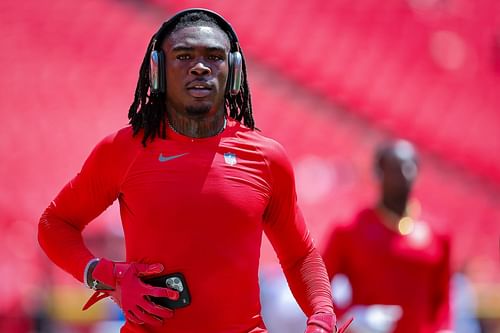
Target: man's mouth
x=199, y=89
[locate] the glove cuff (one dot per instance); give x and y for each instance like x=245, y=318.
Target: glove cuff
x=104, y=272
x=326, y=321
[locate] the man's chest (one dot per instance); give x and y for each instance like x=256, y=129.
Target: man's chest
x=194, y=179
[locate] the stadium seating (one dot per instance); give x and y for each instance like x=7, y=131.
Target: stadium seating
x=329, y=79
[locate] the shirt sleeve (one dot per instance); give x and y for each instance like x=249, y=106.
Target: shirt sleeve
x=287, y=232
x=86, y=196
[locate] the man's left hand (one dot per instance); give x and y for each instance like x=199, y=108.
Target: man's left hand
x=325, y=323
x=321, y=323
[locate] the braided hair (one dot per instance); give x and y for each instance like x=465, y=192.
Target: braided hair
x=148, y=110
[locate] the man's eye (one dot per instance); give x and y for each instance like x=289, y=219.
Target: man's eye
x=183, y=57
x=215, y=58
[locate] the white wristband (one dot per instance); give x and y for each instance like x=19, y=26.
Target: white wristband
x=86, y=272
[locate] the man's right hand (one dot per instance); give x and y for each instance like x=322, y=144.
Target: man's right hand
x=130, y=292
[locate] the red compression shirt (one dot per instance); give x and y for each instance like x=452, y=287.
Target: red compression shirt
x=197, y=206
x=385, y=267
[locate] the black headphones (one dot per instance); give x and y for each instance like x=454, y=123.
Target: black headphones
x=157, y=58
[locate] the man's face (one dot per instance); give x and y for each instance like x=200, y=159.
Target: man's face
x=398, y=175
x=196, y=70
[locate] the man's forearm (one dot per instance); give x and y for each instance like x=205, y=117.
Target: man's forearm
x=63, y=244
x=309, y=284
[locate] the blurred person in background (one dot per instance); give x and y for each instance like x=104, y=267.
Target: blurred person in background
x=398, y=267
x=197, y=187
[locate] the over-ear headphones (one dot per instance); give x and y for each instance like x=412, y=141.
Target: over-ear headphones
x=157, y=57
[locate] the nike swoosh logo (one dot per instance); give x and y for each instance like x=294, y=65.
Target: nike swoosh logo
x=162, y=158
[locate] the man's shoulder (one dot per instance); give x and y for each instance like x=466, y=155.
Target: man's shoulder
x=244, y=132
x=120, y=139
x=267, y=145
x=121, y=135
x=439, y=231
x=118, y=145
x=350, y=222
x=365, y=215
x=358, y=222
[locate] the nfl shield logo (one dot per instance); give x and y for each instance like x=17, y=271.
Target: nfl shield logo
x=230, y=158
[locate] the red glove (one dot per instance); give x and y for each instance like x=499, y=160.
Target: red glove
x=130, y=293
x=325, y=323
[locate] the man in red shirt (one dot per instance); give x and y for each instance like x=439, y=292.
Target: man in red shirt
x=197, y=187
x=398, y=268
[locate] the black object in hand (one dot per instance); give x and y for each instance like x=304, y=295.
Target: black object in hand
x=175, y=281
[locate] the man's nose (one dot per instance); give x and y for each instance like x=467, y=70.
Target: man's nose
x=200, y=68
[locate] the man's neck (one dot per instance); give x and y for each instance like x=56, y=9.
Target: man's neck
x=396, y=206
x=392, y=212
x=197, y=127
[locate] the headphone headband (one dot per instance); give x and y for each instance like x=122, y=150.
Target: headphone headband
x=221, y=22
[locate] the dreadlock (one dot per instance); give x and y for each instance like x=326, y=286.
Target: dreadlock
x=148, y=110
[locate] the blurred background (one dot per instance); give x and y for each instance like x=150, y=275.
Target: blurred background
x=330, y=80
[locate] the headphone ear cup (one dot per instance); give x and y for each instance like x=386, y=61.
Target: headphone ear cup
x=235, y=69
x=157, y=72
